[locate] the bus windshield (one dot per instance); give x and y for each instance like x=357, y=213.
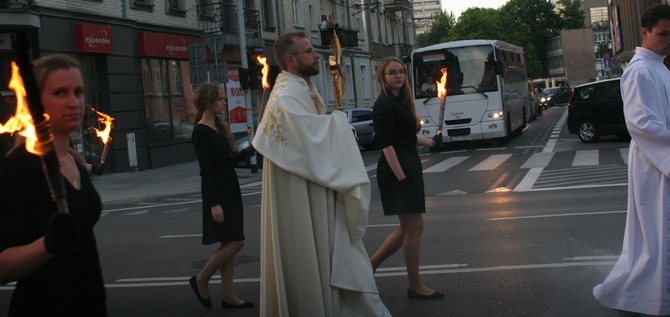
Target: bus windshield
x=469, y=71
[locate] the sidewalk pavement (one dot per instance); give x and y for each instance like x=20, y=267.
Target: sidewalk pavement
x=177, y=179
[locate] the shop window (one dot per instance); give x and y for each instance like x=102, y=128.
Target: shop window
x=167, y=101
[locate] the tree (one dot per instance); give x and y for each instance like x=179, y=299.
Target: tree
x=571, y=14
x=540, y=19
x=443, y=22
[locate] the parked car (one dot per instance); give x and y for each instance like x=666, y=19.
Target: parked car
x=361, y=120
x=555, y=96
x=596, y=109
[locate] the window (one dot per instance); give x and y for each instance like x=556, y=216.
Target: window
x=142, y=4
x=268, y=16
x=296, y=10
x=373, y=26
x=175, y=7
x=365, y=81
x=169, y=111
x=349, y=90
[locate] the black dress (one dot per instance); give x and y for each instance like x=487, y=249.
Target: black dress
x=219, y=186
x=66, y=285
x=395, y=126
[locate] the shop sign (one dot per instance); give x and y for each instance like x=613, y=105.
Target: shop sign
x=94, y=38
x=165, y=45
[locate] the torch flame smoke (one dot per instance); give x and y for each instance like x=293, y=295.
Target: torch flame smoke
x=442, y=84
x=265, y=70
x=22, y=121
x=107, y=122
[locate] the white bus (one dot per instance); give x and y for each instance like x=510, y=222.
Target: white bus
x=487, y=89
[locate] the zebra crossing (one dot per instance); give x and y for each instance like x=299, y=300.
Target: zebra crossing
x=568, y=164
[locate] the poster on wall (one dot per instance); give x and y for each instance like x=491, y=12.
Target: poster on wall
x=236, y=111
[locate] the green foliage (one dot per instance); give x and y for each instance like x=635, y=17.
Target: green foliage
x=443, y=22
x=571, y=14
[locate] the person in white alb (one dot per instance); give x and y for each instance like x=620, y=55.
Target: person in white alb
x=315, y=199
x=639, y=282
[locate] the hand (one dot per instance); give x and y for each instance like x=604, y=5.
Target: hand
x=98, y=169
x=217, y=213
x=62, y=233
x=438, y=141
x=250, y=151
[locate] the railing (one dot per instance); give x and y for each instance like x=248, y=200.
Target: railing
x=222, y=18
x=398, y=5
x=348, y=37
x=16, y=4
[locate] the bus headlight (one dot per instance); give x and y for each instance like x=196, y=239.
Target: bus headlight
x=424, y=121
x=494, y=115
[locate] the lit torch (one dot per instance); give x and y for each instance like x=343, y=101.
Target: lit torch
x=442, y=93
x=265, y=82
x=37, y=128
x=108, y=122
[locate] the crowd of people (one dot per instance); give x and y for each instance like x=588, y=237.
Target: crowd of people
x=314, y=206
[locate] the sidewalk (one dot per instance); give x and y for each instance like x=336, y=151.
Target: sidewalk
x=177, y=179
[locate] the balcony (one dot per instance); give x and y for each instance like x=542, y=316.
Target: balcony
x=398, y=5
x=18, y=14
x=348, y=37
x=221, y=19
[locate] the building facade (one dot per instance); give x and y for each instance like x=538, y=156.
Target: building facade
x=142, y=58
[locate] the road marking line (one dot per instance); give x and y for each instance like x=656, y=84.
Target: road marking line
x=491, y=163
x=624, y=154
x=446, y=164
x=585, y=158
x=560, y=215
x=137, y=213
x=384, y=225
x=181, y=236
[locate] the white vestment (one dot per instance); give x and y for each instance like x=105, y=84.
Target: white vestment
x=314, y=209
x=640, y=279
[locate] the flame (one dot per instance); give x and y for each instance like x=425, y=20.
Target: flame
x=265, y=70
x=442, y=84
x=22, y=121
x=107, y=121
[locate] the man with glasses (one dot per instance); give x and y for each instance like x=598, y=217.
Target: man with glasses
x=315, y=199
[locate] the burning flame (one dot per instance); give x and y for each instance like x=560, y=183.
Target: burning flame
x=265, y=70
x=442, y=84
x=22, y=121
x=107, y=121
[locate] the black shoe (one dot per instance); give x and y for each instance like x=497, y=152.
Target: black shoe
x=413, y=295
x=204, y=301
x=243, y=305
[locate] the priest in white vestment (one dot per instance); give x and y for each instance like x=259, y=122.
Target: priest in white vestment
x=639, y=283
x=315, y=200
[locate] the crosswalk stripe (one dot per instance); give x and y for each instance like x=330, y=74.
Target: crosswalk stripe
x=446, y=164
x=624, y=154
x=585, y=158
x=538, y=160
x=491, y=162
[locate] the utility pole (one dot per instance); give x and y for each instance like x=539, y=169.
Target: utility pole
x=247, y=92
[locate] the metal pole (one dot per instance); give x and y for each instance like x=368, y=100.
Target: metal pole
x=247, y=92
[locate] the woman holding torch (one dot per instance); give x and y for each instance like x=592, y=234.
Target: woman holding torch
x=52, y=256
x=399, y=172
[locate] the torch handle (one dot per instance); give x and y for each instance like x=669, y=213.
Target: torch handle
x=440, y=118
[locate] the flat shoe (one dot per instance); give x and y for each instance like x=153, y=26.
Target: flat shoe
x=204, y=301
x=243, y=305
x=414, y=295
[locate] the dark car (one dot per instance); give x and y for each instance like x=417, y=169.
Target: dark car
x=555, y=96
x=596, y=109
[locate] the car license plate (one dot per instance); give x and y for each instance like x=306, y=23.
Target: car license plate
x=459, y=138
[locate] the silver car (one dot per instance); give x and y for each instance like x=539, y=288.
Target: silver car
x=361, y=120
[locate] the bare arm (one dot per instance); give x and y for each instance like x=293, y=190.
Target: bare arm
x=19, y=262
x=424, y=141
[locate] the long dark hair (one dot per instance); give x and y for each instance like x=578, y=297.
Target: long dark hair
x=405, y=95
x=204, y=97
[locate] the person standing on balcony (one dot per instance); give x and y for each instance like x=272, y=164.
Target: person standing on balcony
x=638, y=283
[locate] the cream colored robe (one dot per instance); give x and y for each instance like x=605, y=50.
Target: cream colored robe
x=314, y=209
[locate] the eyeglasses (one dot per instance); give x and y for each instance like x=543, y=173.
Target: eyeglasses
x=307, y=51
x=401, y=72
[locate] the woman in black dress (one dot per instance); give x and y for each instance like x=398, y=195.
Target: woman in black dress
x=222, y=211
x=52, y=256
x=399, y=171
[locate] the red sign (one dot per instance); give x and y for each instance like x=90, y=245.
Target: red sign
x=165, y=45
x=93, y=38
